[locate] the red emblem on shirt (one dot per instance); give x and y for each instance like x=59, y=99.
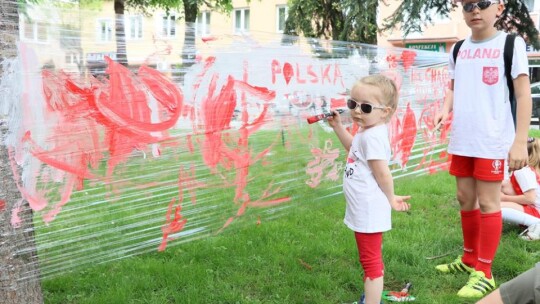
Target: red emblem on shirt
x=490, y=75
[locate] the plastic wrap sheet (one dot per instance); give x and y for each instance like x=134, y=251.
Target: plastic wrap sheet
x=119, y=160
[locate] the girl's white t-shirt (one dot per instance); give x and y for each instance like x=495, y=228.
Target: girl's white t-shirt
x=368, y=209
x=482, y=120
x=526, y=179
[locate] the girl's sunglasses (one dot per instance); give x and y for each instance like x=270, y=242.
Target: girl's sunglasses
x=482, y=5
x=364, y=107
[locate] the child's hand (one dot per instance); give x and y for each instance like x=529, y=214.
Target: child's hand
x=335, y=119
x=517, y=157
x=439, y=120
x=400, y=203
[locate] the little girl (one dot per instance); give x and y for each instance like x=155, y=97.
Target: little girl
x=520, y=195
x=367, y=183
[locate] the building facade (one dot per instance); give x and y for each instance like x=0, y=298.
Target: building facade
x=445, y=31
x=86, y=36
x=156, y=39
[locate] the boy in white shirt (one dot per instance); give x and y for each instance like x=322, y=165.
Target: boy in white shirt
x=483, y=137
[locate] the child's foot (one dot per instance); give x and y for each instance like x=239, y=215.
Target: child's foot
x=362, y=300
x=456, y=266
x=477, y=286
x=532, y=233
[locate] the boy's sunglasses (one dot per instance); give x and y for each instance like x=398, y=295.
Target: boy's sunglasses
x=364, y=106
x=482, y=5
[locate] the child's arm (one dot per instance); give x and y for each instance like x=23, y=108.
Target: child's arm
x=384, y=179
x=527, y=198
x=442, y=116
x=344, y=136
x=507, y=188
x=518, y=157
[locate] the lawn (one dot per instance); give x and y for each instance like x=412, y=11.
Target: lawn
x=103, y=251
x=304, y=256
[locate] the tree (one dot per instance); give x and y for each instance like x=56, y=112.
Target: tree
x=346, y=20
x=190, y=9
x=120, y=32
x=19, y=269
x=411, y=15
x=354, y=20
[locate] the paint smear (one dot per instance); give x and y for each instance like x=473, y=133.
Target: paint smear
x=324, y=160
x=16, y=221
x=173, y=224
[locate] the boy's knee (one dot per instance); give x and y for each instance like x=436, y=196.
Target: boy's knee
x=489, y=206
x=466, y=200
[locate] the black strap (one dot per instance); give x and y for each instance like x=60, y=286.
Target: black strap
x=507, y=56
x=456, y=49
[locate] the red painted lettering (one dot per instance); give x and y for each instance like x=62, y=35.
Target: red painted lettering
x=276, y=69
x=298, y=79
x=314, y=77
x=288, y=72
x=337, y=75
x=325, y=74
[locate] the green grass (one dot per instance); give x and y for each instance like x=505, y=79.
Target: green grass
x=304, y=256
x=102, y=248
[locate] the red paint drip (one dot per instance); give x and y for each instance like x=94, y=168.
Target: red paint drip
x=187, y=181
x=173, y=225
x=403, y=135
x=218, y=111
x=408, y=135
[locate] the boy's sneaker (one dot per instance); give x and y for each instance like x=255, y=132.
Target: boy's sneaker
x=532, y=233
x=477, y=286
x=456, y=266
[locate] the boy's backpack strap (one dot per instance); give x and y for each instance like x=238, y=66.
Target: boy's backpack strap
x=508, y=56
x=456, y=49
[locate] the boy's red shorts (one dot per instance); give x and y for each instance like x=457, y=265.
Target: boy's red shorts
x=490, y=170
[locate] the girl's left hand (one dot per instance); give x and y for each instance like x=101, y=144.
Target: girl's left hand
x=400, y=203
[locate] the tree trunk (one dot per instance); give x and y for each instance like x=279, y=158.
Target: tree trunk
x=189, y=50
x=120, y=32
x=19, y=268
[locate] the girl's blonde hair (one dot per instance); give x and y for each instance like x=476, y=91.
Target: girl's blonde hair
x=388, y=89
x=533, y=148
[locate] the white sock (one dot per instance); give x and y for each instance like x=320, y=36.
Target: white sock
x=517, y=217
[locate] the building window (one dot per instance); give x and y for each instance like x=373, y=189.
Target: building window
x=241, y=20
x=282, y=14
x=105, y=30
x=202, y=24
x=134, y=27
x=72, y=58
x=34, y=30
x=168, y=26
